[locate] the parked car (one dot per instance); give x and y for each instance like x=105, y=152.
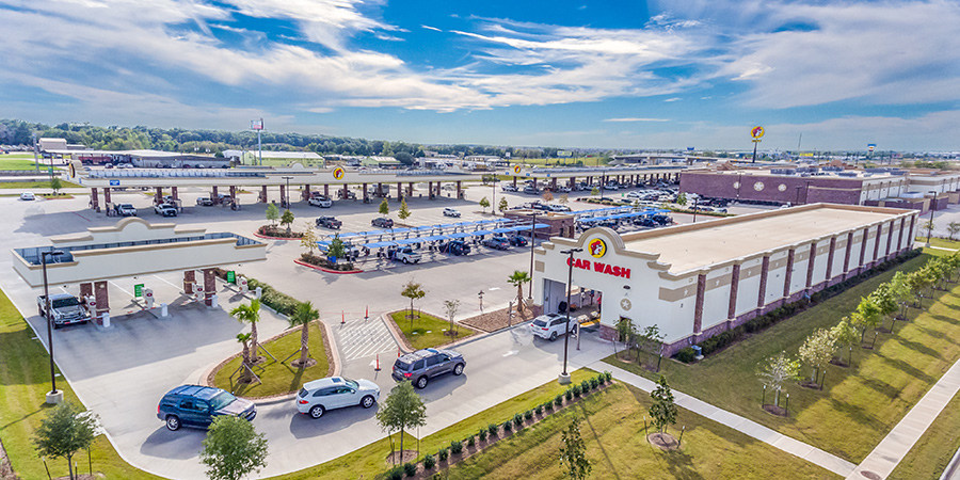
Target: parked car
x=196, y=406
x=205, y=201
x=320, y=201
x=349, y=196
x=165, y=209
x=65, y=309
x=27, y=196
x=498, y=243
x=450, y=212
x=559, y=208
x=455, y=247
x=611, y=186
x=329, y=222
x=530, y=190
x=551, y=325
x=382, y=222
x=508, y=187
x=318, y=396
x=562, y=189
x=418, y=367
x=125, y=210
x=405, y=255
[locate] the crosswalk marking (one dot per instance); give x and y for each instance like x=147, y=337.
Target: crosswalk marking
x=364, y=338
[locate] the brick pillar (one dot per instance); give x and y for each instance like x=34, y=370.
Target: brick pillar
x=215, y=195
x=698, y=308
x=514, y=181
x=326, y=190
x=233, y=193
x=788, y=275
x=94, y=199
x=913, y=219
x=103, y=299
x=764, y=270
x=734, y=288
x=553, y=184
x=189, y=278
x=380, y=189
x=175, y=193
x=283, y=195
x=158, y=196
x=364, y=186
x=889, y=239
x=846, y=256
x=830, y=258
x=263, y=194
x=346, y=190
x=863, y=249
x=811, y=264
x=876, y=244
x=106, y=199
x=209, y=286
x=400, y=190
x=305, y=193
x=86, y=289
x=430, y=188
x=460, y=188
x=409, y=189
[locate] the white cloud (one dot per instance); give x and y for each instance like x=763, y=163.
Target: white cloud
x=672, y=99
x=428, y=27
x=636, y=119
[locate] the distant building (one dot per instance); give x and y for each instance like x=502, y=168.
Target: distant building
x=248, y=156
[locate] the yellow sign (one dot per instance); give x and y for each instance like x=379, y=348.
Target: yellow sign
x=597, y=248
x=757, y=132
x=338, y=173
x=516, y=169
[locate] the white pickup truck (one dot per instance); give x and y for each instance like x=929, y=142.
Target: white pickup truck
x=406, y=255
x=65, y=309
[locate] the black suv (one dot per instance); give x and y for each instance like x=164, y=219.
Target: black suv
x=196, y=405
x=329, y=222
x=382, y=222
x=419, y=366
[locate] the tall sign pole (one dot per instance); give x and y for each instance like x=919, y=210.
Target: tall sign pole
x=258, y=126
x=756, y=134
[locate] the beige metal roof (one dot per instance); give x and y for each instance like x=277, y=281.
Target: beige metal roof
x=723, y=240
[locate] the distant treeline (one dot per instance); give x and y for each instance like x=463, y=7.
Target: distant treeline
x=18, y=132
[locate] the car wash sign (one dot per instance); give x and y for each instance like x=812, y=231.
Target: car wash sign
x=597, y=248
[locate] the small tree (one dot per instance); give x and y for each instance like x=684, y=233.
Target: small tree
x=233, y=449
x=564, y=199
x=776, y=370
x=816, y=351
x=402, y=409
x=650, y=340
x=55, y=185
x=547, y=197
x=404, y=212
x=249, y=313
x=301, y=317
x=273, y=213
x=287, y=219
x=867, y=315
x=484, y=203
x=900, y=290
x=414, y=291
x=845, y=335
x=503, y=205
x=917, y=282
x=519, y=278
x=626, y=333
x=929, y=225
x=573, y=458
x=663, y=411
x=65, y=431
x=309, y=238
x=884, y=298
x=451, y=307
x=244, y=339
x=682, y=199
x=594, y=191
x=384, y=207
x=953, y=228
x=336, y=249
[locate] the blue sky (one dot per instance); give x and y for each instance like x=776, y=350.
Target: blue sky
x=561, y=73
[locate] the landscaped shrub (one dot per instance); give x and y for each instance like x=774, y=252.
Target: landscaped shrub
x=395, y=473
x=601, y=379
x=576, y=391
x=528, y=415
x=482, y=434
x=539, y=410
x=493, y=429
x=549, y=405
x=456, y=447
x=594, y=383
x=608, y=376
x=410, y=469
x=558, y=401
x=429, y=462
x=507, y=426
x=443, y=454
x=686, y=355
x=568, y=394
x=272, y=298
x=517, y=419
x=585, y=386
x=471, y=441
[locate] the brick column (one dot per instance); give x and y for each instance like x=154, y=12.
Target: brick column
x=209, y=286
x=106, y=199
x=514, y=181
x=263, y=194
x=764, y=270
x=346, y=191
x=189, y=278
x=103, y=300
x=811, y=264
x=903, y=225
x=283, y=194
x=846, y=255
x=86, y=289
x=863, y=248
x=215, y=195
x=364, y=187
x=460, y=188
x=94, y=198
x=175, y=193
x=553, y=184
x=233, y=193
x=876, y=244
x=913, y=219
x=698, y=308
x=430, y=189
x=889, y=240
x=326, y=190
x=400, y=190
x=830, y=259
x=305, y=193
x=158, y=196
x=788, y=275
x=734, y=288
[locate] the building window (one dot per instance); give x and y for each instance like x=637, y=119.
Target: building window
x=782, y=187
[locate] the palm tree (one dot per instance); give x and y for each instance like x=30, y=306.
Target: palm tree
x=519, y=278
x=244, y=338
x=302, y=316
x=249, y=313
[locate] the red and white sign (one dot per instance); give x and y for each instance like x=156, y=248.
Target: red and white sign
x=600, y=267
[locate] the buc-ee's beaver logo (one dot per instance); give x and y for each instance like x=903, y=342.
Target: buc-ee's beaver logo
x=516, y=169
x=338, y=173
x=597, y=248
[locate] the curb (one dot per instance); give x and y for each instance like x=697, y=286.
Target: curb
x=315, y=267
x=256, y=234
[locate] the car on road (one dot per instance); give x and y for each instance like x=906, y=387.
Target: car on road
x=518, y=241
x=531, y=190
x=319, y=396
x=165, y=209
x=455, y=247
x=205, y=202
x=418, y=367
x=197, y=405
x=450, y=212
x=499, y=243
x=125, y=210
x=329, y=222
x=405, y=255
x=65, y=309
x=382, y=222
x=28, y=196
x=508, y=187
x=550, y=326
x=320, y=201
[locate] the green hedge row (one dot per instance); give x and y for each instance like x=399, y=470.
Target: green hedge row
x=271, y=297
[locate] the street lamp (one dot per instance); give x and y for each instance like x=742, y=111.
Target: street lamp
x=564, y=376
x=933, y=198
x=54, y=396
x=286, y=200
x=533, y=233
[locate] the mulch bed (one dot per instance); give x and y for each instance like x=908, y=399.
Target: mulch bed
x=664, y=441
x=277, y=233
x=492, y=321
x=775, y=410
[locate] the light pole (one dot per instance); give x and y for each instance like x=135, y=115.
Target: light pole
x=933, y=198
x=286, y=201
x=54, y=396
x=481, y=300
x=564, y=376
x=533, y=233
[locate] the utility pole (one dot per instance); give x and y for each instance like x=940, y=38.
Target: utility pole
x=564, y=376
x=533, y=233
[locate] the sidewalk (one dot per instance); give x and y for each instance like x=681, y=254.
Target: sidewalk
x=811, y=454
x=891, y=450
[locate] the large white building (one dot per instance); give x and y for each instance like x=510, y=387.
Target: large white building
x=694, y=281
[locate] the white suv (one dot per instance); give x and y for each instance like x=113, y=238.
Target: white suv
x=318, y=396
x=449, y=212
x=320, y=201
x=550, y=326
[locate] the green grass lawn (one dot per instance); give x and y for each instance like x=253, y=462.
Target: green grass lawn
x=24, y=379
x=613, y=430
x=36, y=185
x=427, y=330
x=9, y=162
x=859, y=405
x=931, y=454
x=279, y=378
x=940, y=242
